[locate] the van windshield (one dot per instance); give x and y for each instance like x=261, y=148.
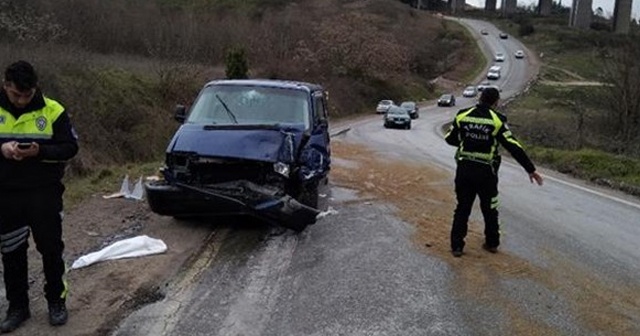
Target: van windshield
x=250, y=105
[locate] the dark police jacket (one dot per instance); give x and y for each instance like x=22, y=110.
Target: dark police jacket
x=477, y=131
x=43, y=121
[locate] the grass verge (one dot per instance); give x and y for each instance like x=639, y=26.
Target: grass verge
x=603, y=168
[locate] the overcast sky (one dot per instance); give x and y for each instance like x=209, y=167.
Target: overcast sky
x=607, y=5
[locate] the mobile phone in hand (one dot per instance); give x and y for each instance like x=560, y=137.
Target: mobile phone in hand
x=24, y=145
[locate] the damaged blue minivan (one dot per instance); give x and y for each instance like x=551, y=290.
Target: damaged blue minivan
x=250, y=147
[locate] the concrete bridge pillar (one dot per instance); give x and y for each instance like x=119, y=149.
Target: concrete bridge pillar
x=457, y=6
x=544, y=7
x=622, y=16
x=490, y=5
x=581, y=14
x=509, y=6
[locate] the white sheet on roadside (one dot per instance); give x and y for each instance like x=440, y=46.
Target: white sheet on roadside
x=127, y=248
x=126, y=192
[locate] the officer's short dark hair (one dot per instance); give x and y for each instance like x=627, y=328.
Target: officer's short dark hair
x=22, y=75
x=489, y=96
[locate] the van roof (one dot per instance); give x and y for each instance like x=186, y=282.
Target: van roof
x=284, y=84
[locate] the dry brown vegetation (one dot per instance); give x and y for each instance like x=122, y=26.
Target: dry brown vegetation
x=119, y=66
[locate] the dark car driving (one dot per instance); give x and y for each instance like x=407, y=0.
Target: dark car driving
x=397, y=117
x=447, y=100
x=412, y=108
x=251, y=147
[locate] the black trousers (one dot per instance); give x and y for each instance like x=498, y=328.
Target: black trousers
x=473, y=178
x=38, y=211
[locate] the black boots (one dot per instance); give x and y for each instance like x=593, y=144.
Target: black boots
x=58, y=316
x=15, y=317
x=491, y=249
x=58, y=313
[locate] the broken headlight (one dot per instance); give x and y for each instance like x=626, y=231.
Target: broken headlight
x=281, y=168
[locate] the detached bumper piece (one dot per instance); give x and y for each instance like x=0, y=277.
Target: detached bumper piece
x=232, y=198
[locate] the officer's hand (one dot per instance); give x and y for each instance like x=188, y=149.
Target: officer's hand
x=537, y=177
x=8, y=149
x=20, y=154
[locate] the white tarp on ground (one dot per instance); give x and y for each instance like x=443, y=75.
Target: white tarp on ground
x=126, y=192
x=127, y=248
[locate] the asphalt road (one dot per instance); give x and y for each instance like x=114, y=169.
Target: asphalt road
x=357, y=272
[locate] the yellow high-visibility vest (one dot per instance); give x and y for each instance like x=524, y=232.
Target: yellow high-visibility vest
x=31, y=126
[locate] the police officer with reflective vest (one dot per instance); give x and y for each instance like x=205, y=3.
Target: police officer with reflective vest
x=36, y=139
x=477, y=131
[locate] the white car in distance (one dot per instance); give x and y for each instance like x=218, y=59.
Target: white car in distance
x=470, y=91
x=384, y=106
x=494, y=72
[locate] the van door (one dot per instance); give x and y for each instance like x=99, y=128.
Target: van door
x=318, y=150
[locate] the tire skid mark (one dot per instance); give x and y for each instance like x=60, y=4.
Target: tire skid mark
x=182, y=290
x=249, y=314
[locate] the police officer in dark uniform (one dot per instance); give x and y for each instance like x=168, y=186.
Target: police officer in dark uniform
x=477, y=131
x=36, y=139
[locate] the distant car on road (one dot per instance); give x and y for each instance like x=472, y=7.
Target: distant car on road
x=412, y=108
x=504, y=36
x=470, y=91
x=384, y=105
x=493, y=75
x=484, y=32
x=494, y=72
x=499, y=57
x=397, y=117
x=519, y=54
x=484, y=85
x=447, y=100
x=493, y=86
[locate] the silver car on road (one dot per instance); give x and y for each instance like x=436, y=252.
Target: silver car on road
x=384, y=105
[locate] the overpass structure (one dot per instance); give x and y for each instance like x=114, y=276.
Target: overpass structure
x=580, y=15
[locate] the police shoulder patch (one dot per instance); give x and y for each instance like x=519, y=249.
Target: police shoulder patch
x=41, y=123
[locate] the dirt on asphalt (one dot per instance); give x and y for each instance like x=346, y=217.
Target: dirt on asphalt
x=104, y=293
x=424, y=197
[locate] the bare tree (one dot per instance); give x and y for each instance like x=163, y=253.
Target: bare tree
x=622, y=75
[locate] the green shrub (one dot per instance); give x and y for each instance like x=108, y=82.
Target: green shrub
x=526, y=29
x=236, y=64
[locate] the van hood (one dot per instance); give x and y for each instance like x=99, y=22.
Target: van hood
x=259, y=143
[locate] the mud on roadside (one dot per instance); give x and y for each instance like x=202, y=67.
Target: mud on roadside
x=102, y=294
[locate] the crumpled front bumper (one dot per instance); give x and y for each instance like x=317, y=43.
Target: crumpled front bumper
x=232, y=198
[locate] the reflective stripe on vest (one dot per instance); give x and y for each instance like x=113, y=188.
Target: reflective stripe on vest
x=34, y=125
